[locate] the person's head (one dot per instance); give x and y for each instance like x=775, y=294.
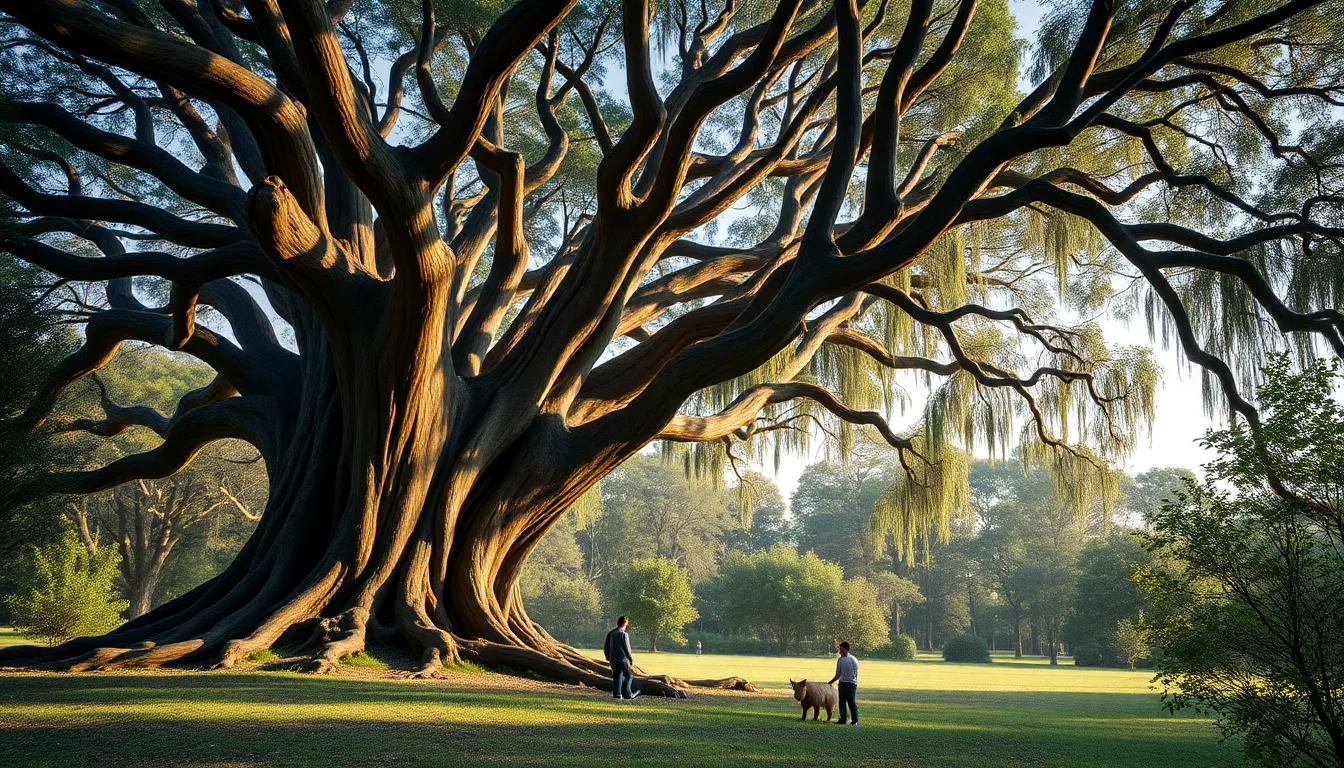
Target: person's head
x=621, y=622
x=844, y=649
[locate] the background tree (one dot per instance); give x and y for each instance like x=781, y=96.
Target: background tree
x=556, y=588
x=779, y=595
x=1153, y=488
x=656, y=594
x=655, y=510
x=1106, y=595
x=33, y=338
x=1132, y=641
x=897, y=594
x=855, y=615
x=832, y=508
x=1253, y=592
x=942, y=577
x=482, y=330
x=65, y=591
x=564, y=603
x=770, y=521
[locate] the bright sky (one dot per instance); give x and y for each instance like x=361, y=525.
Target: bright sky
x=1180, y=420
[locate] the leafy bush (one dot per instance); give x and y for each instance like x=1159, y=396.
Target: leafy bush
x=67, y=592
x=901, y=648
x=966, y=649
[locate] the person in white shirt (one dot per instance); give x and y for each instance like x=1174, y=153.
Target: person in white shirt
x=847, y=672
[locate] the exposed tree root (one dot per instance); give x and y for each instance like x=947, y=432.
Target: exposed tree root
x=336, y=638
x=340, y=636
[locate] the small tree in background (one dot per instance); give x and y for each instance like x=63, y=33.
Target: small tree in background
x=1105, y=595
x=778, y=594
x=897, y=594
x=67, y=592
x=854, y=614
x=1131, y=641
x=656, y=594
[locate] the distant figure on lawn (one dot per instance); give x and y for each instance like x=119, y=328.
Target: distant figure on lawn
x=847, y=672
x=697, y=647
x=617, y=650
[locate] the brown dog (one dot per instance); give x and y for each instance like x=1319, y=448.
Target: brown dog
x=814, y=696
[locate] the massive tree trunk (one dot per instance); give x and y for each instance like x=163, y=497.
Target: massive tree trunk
x=445, y=401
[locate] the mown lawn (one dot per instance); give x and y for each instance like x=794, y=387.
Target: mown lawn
x=920, y=713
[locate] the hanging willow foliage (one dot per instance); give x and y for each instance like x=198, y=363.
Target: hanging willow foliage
x=919, y=507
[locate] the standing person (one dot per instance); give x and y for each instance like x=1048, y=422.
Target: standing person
x=617, y=650
x=697, y=647
x=847, y=672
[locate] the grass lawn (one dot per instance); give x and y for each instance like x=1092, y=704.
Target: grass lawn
x=919, y=713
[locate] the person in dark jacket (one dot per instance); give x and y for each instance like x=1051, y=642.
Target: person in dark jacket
x=617, y=650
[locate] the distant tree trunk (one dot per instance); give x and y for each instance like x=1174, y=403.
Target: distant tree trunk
x=1035, y=643
x=970, y=605
x=896, y=617
x=653, y=642
x=140, y=593
x=1017, y=635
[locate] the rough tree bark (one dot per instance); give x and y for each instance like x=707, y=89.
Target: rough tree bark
x=446, y=401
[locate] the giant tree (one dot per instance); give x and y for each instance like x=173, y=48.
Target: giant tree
x=475, y=327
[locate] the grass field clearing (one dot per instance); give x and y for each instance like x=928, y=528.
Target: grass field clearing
x=919, y=713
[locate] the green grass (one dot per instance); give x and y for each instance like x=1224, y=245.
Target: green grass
x=264, y=656
x=918, y=713
x=9, y=636
x=363, y=661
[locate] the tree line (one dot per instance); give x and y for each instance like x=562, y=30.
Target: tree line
x=1020, y=569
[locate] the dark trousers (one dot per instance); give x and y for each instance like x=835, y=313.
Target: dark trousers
x=847, y=693
x=621, y=679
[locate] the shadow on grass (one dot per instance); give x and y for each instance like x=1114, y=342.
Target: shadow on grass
x=284, y=720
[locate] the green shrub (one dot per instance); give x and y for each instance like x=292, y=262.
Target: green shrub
x=902, y=648
x=966, y=649
x=67, y=592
